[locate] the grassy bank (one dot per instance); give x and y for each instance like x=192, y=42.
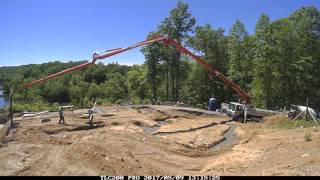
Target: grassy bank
x=286, y=123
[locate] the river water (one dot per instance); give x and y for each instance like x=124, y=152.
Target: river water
x=4, y=101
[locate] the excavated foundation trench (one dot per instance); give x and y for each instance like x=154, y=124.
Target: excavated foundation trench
x=168, y=138
x=152, y=130
x=229, y=137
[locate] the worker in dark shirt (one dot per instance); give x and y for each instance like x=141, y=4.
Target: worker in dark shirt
x=61, y=121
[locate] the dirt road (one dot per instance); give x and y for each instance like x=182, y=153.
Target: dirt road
x=156, y=140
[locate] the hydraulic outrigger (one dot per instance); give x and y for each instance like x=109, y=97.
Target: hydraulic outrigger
x=159, y=38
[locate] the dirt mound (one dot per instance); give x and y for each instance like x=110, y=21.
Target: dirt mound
x=273, y=120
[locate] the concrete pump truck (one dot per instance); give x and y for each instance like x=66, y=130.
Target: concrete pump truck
x=236, y=111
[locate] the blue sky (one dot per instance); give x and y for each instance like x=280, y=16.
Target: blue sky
x=37, y=31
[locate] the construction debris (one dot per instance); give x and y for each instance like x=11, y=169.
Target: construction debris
x=45, y=120
x=32, y=114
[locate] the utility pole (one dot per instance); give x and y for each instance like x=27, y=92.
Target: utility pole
x=307, y=100
x=307, y=110
x=11, y=109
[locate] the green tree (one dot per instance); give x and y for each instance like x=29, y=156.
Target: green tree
x=137, y=83
x=96, y=73
x=240, y=52
x=212, y=44
x=75, y=95
x=115, y=88
x=153, y=56
x=263, y=79
x=177, y=26
x=94, y=91
x=56, y=91
x=306, y=30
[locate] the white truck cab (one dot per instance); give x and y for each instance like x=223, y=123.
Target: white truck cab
x=236, y=111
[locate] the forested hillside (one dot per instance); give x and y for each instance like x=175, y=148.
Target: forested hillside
x=279, y=65
x=107, y=83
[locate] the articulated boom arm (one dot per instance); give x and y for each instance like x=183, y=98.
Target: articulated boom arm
x=212, y=70
x=95, y=57
x=160, y=38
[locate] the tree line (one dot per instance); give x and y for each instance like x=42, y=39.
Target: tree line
x=278, y=65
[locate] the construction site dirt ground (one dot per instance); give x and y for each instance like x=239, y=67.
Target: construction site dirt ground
x=156, y=140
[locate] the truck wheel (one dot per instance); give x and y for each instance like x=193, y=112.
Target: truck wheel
x=241, y=119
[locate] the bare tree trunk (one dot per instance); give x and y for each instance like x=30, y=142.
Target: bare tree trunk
x=172, y=82
x=167, y=85
x=177, y=81
x=173, y=89
x=307, y=111
x=155, y=98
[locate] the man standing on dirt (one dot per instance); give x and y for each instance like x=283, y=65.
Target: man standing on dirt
x=90, y=111
x=61, y=121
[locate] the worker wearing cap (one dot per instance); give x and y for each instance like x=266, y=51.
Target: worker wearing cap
x=61, y=115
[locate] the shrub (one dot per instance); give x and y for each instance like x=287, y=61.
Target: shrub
x=308, y=137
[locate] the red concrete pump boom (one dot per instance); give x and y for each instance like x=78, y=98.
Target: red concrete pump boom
x=159, y=38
